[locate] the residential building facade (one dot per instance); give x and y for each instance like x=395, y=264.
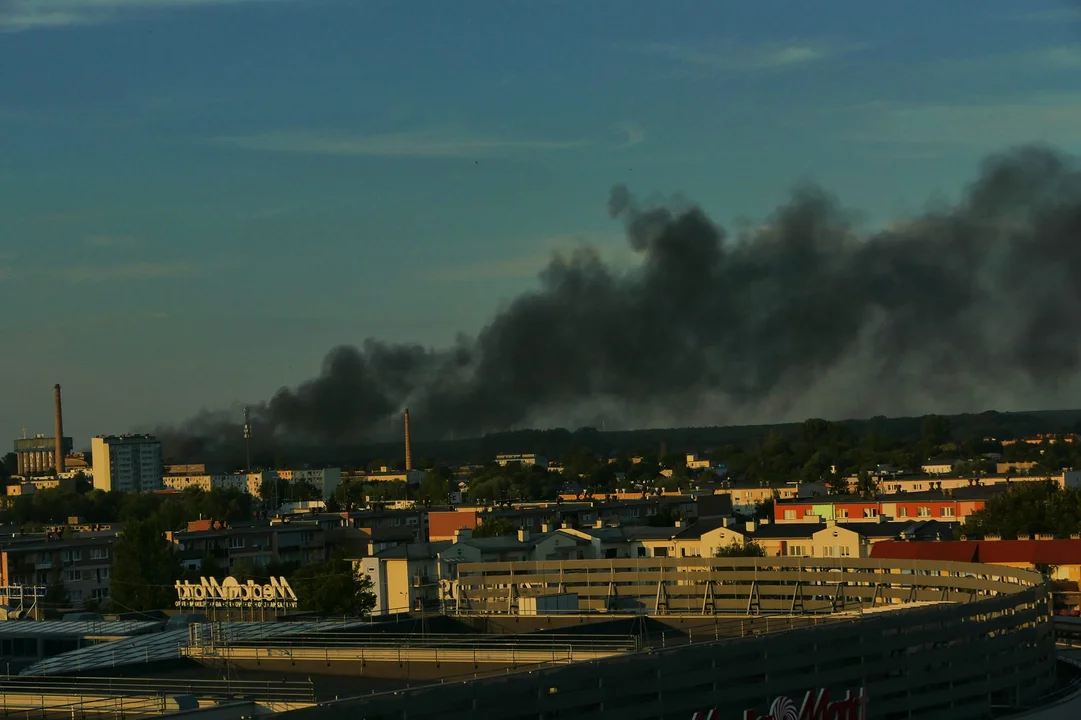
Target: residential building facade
x=127, y=463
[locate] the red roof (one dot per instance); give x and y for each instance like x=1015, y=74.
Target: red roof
x=945, y=550
x=1031, y=552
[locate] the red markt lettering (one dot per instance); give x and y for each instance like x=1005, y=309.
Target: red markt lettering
x=816, y=705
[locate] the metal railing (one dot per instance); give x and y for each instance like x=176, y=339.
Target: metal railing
x=42, y=706
x=443, y=641
x=279, y=691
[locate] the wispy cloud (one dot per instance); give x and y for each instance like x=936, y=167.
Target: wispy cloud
x=16, y=15
x=612, y=247
x=732, y=57
x=1048, y=118
x=419, y=144
x=1037, y=60
x=120, y=272
x=635, y=135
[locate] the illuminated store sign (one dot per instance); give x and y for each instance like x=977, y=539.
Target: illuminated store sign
x=816, y=705
x=232, y=594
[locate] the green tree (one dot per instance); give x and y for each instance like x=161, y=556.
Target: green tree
x=145, y=567
x=434, y=489
x=56, y=596
x=837, y=484
x=9, y=465
x=333, y=588
x=1028, y=508
x=494, y=527
x=866, y=485
x=750, y=549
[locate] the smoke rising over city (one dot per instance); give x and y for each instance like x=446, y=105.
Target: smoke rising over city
x=964, y=308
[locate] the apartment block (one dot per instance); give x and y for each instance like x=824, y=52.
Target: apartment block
x=127, y=463
x=326, y=479
x=79, y=561
x=257, y=543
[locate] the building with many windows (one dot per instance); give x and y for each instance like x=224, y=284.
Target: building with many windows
x=79, y=562
x=37, y=455
x=127, y=463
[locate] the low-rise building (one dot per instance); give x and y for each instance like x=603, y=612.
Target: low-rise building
x=523, y=459
x=940, y=467
x=325, y=479
x=946, y=506
x=80, y=562
x=258, y=543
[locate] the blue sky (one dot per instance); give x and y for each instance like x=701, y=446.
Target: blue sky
x=200, y=197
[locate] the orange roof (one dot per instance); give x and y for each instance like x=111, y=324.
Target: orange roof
x=443, y=523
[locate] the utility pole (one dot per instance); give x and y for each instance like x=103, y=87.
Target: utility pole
x=247, y=439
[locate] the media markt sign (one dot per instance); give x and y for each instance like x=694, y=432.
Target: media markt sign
x=232, y=594
x=816, y=705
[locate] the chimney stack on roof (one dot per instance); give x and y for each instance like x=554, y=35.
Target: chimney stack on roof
x=59, y=460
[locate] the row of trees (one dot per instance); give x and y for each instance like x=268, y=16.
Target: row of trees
x=1026, y=509
x=146, y=566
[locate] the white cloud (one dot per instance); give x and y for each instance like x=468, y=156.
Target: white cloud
x=418, y=144
x=1050, y=119
x=17, y=15
x=730, y=57
x=636, y=135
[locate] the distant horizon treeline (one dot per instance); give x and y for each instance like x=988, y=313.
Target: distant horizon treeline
x=555, y=443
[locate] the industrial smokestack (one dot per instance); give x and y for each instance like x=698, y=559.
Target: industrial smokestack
x=408, y=449
x=59, y=461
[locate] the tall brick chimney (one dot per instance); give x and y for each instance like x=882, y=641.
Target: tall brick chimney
x=408, y=448
x=59, y=459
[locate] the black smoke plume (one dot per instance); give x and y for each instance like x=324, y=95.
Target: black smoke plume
x=963, y=308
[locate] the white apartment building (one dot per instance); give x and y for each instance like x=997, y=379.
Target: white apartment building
x=326, y=479
x=127, y=463
x=523, y=459
x=206, y=483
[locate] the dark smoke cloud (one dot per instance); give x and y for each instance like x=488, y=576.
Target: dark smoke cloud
x=964, y=308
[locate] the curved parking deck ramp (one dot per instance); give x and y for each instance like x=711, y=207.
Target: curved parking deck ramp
x=378, y=653
x=67, y=697
x=165, y=646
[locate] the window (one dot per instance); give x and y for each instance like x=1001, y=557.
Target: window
x=843, y=512
x=103, y=574
x=902, y=512
x=870, y=512
x=99, y=553
x=923, y=511
x=947, y=512
x=827, y=551
x=99, y=593
x=75, y=575
x=808, y=512
x=236, y=543
x=844, y=550
x=789, y=514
